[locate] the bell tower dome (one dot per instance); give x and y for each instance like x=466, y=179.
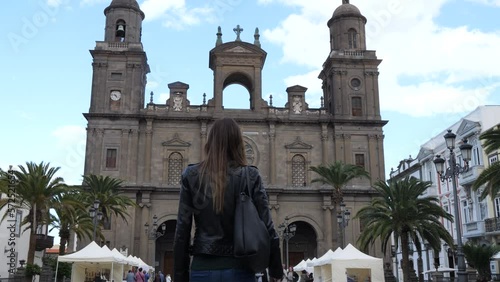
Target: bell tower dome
x=123, y=21
x=119, y=62
x=350, y=73
x=347, y=28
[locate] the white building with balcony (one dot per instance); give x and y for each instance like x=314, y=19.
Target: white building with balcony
x=476, y=217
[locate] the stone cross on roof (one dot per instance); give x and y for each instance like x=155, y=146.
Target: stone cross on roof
x=345, y=1
x=238, y=31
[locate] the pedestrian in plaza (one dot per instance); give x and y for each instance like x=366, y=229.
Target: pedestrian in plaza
x=162, y=276
x=208, y=194
x=289, y=274
x=139, y=276
x=130, y=276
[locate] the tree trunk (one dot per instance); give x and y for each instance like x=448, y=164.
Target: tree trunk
x=62, y=246
x=405, y=264
x=32, y=240
x=31, y=249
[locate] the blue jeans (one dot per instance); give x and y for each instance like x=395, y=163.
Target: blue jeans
x=222, y=275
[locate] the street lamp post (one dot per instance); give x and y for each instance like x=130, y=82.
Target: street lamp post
x=96, y=216
x=450, y=174
x=286, y=231
x=154, y=233
x=343, y=220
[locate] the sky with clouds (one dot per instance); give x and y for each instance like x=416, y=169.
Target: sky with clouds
x=440, y=61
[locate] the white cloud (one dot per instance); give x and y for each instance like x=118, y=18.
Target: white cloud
x=313, y=94
x=439, y=63
x=175, y=14
x=162, y=98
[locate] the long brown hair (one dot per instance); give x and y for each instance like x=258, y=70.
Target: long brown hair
x=224, y=146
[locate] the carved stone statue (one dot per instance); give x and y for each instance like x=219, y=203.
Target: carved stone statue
x=297, y=105
x=178, y=103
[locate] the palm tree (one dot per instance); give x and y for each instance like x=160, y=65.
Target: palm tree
x=71, y=216
x=338, y=175
x=401, y=213
x=106, y=190
x=37, y=188
x=478, y=257
x=491, y=175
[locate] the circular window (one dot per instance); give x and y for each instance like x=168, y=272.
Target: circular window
x=355, y=83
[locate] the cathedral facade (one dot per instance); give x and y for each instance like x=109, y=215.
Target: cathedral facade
x=148, y=144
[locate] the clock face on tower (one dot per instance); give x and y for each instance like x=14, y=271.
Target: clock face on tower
x=115, y=95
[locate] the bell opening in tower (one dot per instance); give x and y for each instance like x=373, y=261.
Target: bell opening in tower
x=120, y=31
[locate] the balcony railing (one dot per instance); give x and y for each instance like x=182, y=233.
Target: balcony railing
x=43, y=242
x=492, y=224
x=118, y=46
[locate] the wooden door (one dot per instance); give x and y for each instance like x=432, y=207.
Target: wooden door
x=168, y=263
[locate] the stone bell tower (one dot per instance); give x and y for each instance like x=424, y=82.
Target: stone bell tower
x=351, y=94
x=120, y=63
x=350, y=73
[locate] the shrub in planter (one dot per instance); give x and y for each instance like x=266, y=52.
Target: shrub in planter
x=32, y=269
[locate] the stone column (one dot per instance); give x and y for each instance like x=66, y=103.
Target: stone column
x=98, y=150
x=376, y=97
x=380, y=160
x=324, y=143
x=272, y=154
x=370, y=93
x=124, y=154
x=373, y=156
x=203, y=138
x=339, y=147
x=347, y=148
x=327, y=221
x=132, y=159
x=89, y=150
x=337, y=93
x=149, y=147
x=145, y=206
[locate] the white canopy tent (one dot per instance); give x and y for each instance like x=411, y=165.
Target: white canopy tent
x=92, y=260
x=354, y=263
x=300, y=266
x=322, y=267
x=128, y=259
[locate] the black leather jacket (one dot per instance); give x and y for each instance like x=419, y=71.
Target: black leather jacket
x=213, y=232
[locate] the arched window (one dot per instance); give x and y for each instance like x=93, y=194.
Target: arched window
x=120, y=30
x=174, y=168
x=357, y=106
x=353, y=38
x=298, y=171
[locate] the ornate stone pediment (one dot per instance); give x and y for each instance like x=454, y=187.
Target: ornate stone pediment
x=298, y=144
x=176, y=142
x=237, y=49
x=466, y=126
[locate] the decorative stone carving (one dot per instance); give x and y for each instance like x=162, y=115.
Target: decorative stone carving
x=298, y=144
x=297, y=105
x=177, y=103
x=176, y=142
x=238, y=49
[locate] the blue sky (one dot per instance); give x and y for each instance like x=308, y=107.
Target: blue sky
x=440, y=61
